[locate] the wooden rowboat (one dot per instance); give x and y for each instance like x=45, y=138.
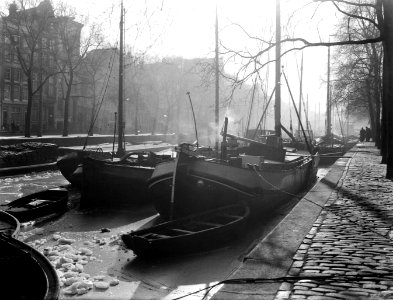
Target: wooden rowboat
x=39, y=204
x=190, y=234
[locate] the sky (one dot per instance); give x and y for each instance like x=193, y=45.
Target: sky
x=186, y=28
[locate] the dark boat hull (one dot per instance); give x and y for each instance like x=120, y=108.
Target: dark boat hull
x=26, y=273
x=190, y=234
x=106, y=182
x=202, y=184
x=67, y=165
x=9, y=225
x=329, y=154
x=39, y=204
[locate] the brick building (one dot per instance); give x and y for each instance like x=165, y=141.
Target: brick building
x=23, y=52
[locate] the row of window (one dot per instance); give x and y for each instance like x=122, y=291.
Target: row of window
x=15, y=40
x=50, y=88
x=16, y=95
x=47, y=59
x=18, y=76
x=15, y=74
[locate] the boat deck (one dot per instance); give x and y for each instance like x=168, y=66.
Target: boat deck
x=288, y=158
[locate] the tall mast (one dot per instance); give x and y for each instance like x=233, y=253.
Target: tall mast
x=277, y=108
x=300, y=95
x=120, y=147
x=217, y=102
x=328, y=106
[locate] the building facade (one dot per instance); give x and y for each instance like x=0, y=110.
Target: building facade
x=23, y=53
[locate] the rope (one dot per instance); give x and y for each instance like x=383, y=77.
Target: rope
x=317, y=277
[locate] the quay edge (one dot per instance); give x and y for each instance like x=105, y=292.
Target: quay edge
x=273, y=256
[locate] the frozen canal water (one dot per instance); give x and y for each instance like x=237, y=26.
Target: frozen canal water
x=168, y=278
x=13, y=187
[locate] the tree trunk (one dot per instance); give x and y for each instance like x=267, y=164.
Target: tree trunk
x=136, y=113
x=67, y=103
x=93, y=109
x=377, y=133
x=370, y=100
x=40, y=108
x=29, y=107
x=377, y=95
x=387, y=115
x=75, y=124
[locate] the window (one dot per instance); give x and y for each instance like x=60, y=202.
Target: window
x=16, y=75
x=7, y=91
x=25, y=93
x=15, y=40
x=52, y=45
x=16, y=92
x=59, y=89
x=26, y=58
x=7, y=74
x=34, y=79
x=7, y=53
x=16, y=59
x=44, y=42
x=51, y=61
x=35, y=58
x=51, y=90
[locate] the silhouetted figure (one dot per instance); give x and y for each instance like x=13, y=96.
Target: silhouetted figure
x=13, y=126
x=368, y=134
x=362, y=135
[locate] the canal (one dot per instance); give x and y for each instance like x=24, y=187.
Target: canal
x=168, y=278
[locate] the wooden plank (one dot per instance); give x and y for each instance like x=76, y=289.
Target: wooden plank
x=155, y=235
x=230, y=216
x=182, y=230
x=208, y=223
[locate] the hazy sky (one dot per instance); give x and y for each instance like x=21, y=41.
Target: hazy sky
x=186, y=28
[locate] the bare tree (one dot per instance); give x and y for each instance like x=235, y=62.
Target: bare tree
x=96, y=74
x=358, y=76
x=70, y=55
x=383, y=24
x=29, y=26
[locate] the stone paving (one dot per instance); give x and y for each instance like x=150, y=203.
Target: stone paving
x=348, y=253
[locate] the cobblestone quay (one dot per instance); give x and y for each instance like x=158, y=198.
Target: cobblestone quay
x=348, y=253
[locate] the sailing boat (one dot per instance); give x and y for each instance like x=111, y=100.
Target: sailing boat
x=120, y=180
x=330, y=146
x=303, y=138
x=262, y=174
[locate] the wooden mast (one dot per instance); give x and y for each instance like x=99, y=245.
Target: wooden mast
x=300, y=95
x=120, y=147
x=277, y=108
x=217, y=99
x=328, y=106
